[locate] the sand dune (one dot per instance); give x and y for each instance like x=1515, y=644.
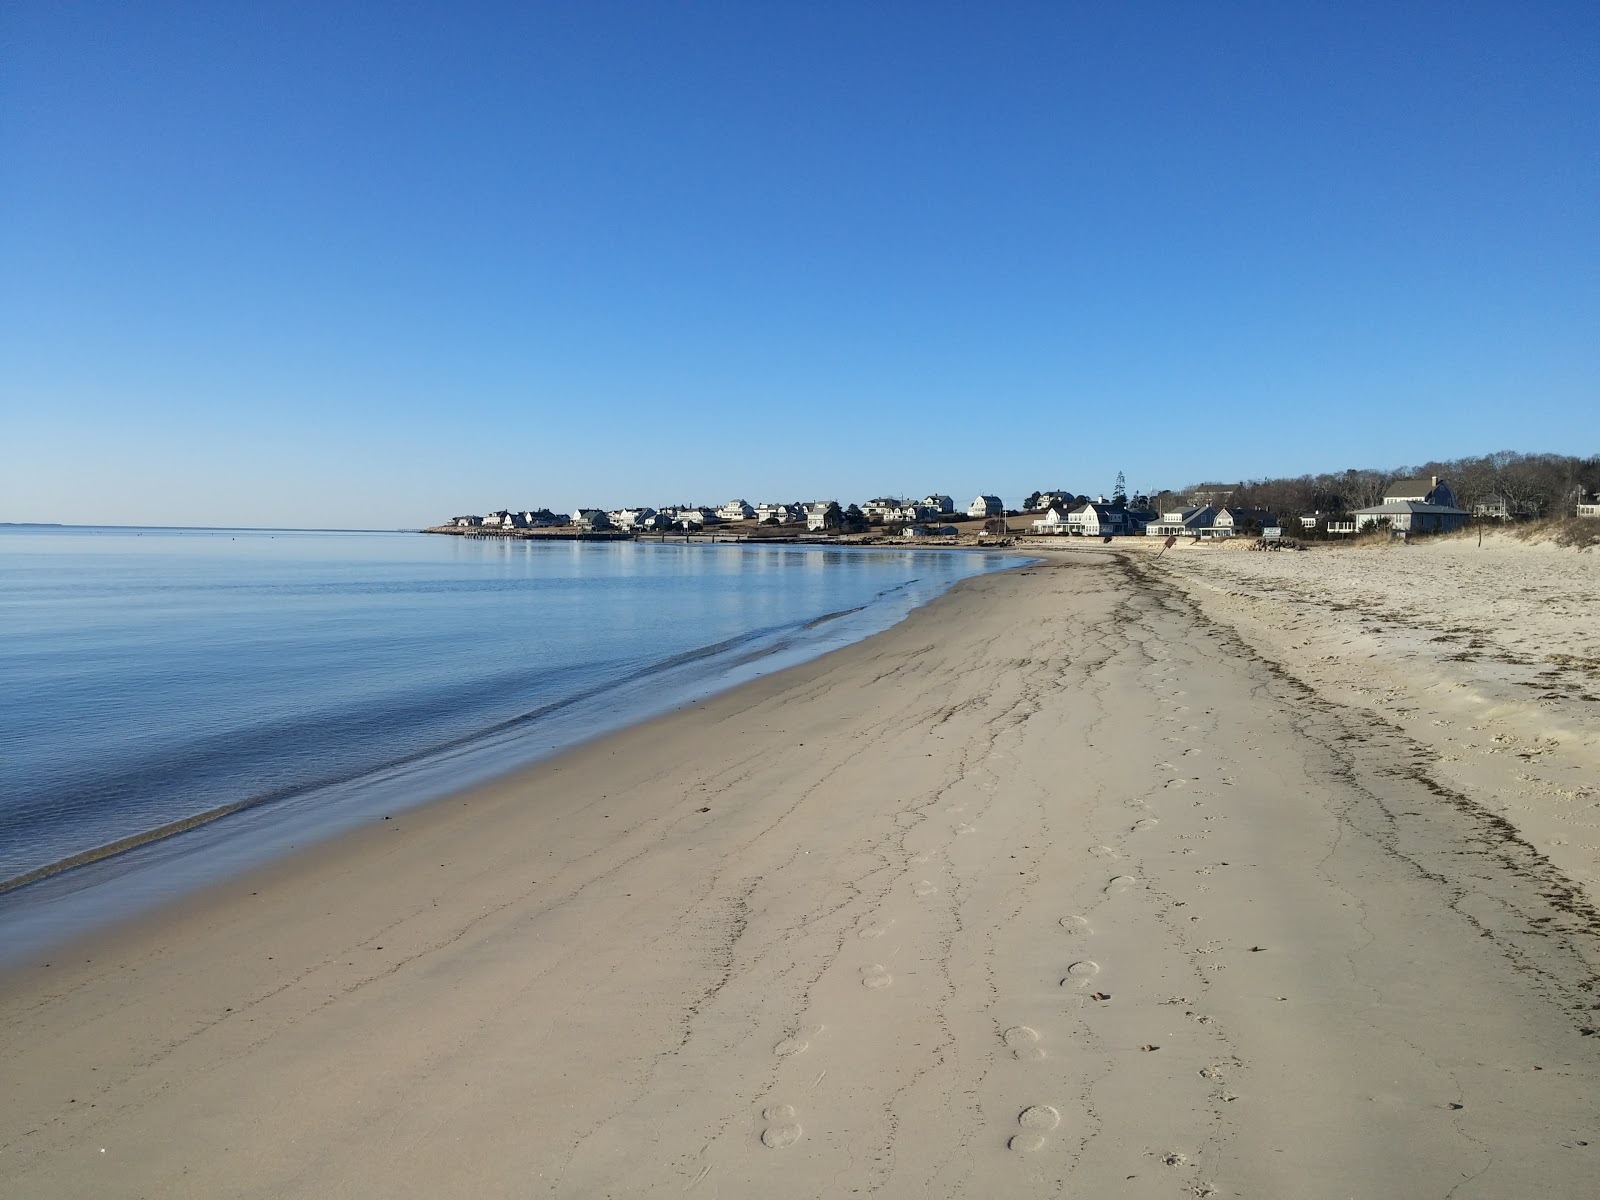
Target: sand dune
x=1059, y=887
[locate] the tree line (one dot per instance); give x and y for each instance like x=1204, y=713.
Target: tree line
x=1529, y=485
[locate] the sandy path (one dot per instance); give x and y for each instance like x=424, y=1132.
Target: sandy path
x=1054, y=888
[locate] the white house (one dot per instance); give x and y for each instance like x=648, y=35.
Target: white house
x=986, y=506
x=1182, y=522
x=1054, y=520
x=1590, y=507
x=1098, y=518
x=736, y=510
x=631, y=518
x=785, y=513
x=1230, y=522
x=821, y=514
x=881, y=508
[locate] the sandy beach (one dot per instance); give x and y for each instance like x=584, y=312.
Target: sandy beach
x=1218, y=875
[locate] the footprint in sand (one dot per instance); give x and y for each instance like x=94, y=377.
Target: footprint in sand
x=872, y=930
x=924, y=888
x=791, y=1045
x=1079, y=973
x=1076, y=925
x=1120, y=883
x=1023, y=1043
x=1145, y=823
x=1105, y=853
x=783, y=1131
x=965, y=828
x=1036, y=1121
x=875, y=977
x=1176, y=783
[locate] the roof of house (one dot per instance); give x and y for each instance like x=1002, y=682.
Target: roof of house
x=1411, y=487
x=1409, y=506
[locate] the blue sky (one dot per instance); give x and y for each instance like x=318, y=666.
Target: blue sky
x=372, y=265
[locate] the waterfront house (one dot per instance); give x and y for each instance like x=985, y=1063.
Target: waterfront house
x=1182, y=522
x=1101, y=518
x=660, y=522
x=696, y=518
x=1429, y=490
x=986, y=506
x=881, y=508
x=630, y=519
x=737, y=510
x=1054, y=521
x=784, y=514
x=591, y=520
x=466, y=522
x=824, y=514
x=942, y=505
x=1231, y=522
x=1415, y=506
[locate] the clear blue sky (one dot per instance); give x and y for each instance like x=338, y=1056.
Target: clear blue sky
x=376, y=264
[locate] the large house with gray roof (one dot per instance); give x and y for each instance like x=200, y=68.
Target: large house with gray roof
x=1425, y=505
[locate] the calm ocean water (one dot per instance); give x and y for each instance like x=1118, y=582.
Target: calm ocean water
x=154, y=675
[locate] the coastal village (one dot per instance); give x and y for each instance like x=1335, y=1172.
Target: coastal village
x=1407, y=507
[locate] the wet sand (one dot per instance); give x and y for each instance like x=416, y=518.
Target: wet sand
x=1065, y=885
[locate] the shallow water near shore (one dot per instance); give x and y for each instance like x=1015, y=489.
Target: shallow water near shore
x=299, y=681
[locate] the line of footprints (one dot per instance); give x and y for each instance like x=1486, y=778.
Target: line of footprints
x=1037, y=1120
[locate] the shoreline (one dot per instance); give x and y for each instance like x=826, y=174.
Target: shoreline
x=772, y=659
x=1054, y=884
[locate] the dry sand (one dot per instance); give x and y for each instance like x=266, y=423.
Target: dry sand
x=1058, y=887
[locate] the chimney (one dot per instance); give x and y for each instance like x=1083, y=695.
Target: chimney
x=1435, y=481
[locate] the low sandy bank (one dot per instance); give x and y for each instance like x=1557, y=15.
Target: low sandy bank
x=1486, y=655
x=1055, y=888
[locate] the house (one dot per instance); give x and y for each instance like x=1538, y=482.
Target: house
x=1589, y=507
x=545, y=519
x=986, y=506
x=1054, y=521
x=737, y=510
x=881, y=508
x=824, y=514
x=592, y=519
x=1231, y=522
x=1503, y=508
x=692, y=517
x=1100, y=518
x=785, y=514
x=1182, y=522
x=631, y=518
x=1431, y=490
x=660, y=522
x=466, y=522
x=1415, y=506
x=926, y=531
x=942, y=505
